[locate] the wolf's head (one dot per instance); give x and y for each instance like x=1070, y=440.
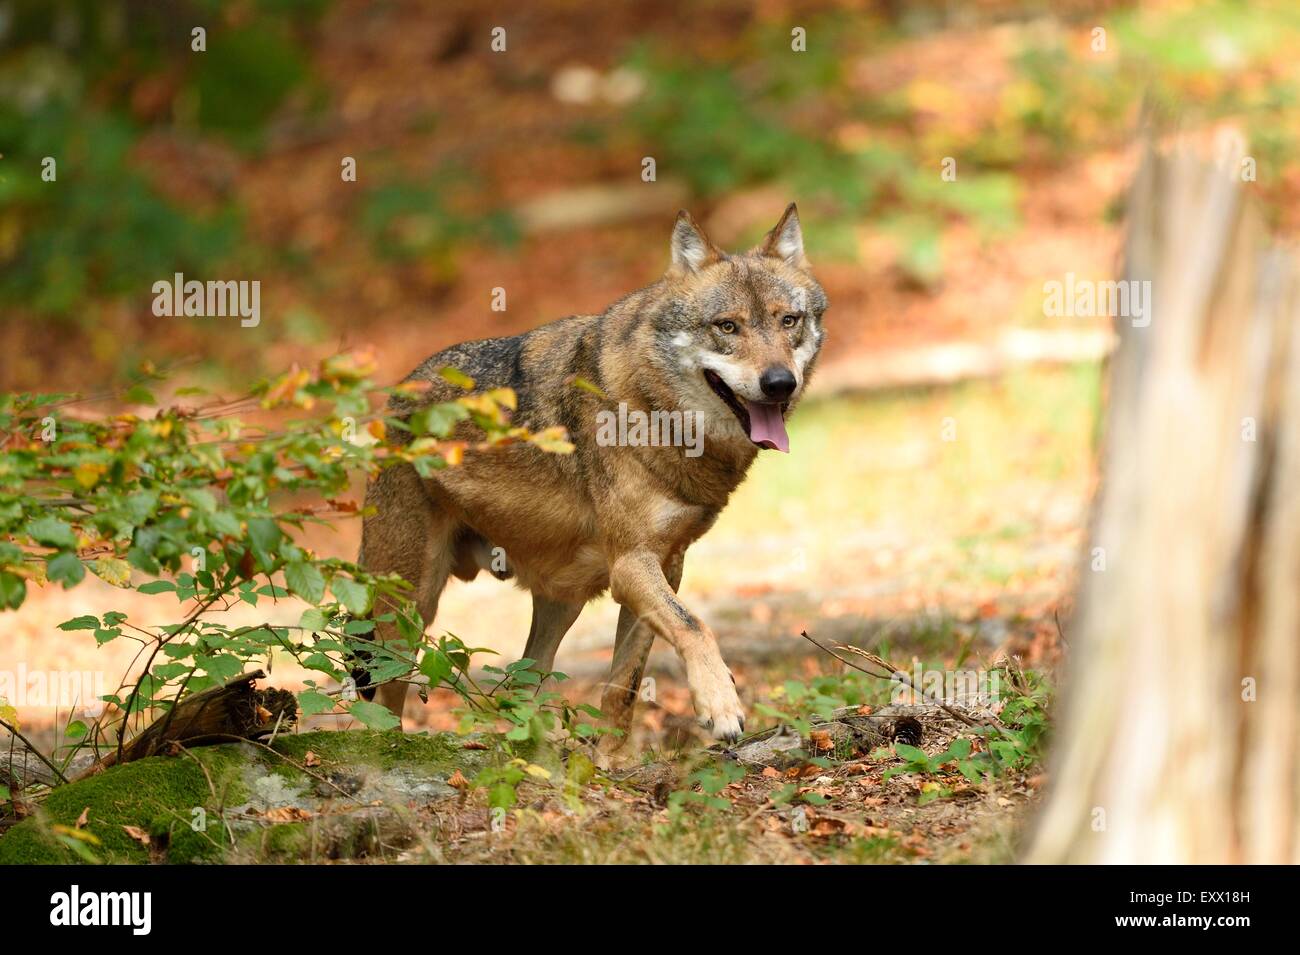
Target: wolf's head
x=739, y=334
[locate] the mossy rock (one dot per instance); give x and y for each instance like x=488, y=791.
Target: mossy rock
x=362, y=785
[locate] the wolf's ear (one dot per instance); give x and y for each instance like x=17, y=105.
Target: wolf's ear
x=691, y=248
x=785, y=241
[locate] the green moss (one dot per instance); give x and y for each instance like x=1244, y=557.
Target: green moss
x=289, y=842
x=160, y=795
x=379, y=749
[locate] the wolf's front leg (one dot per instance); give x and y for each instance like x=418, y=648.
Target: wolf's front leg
x=637, y=582
x=632, y=642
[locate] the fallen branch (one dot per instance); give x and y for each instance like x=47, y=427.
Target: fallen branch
x=893, y=673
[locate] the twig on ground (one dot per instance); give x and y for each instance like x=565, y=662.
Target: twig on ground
x=893, y=673
x=33, y=750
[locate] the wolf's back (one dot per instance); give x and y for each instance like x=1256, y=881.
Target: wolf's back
x=538, y=366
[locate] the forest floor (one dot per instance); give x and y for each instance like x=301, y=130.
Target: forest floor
x=948, y=555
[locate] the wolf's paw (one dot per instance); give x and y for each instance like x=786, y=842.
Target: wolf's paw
x=717, y=707
x=614, y=754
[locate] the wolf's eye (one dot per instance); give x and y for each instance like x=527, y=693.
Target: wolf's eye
x=726, y=327
x=790, y=321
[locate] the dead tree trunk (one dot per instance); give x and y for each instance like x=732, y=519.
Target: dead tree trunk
x=1181, y=721
x=235, y=709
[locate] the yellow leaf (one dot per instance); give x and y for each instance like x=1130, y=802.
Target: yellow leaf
x=554, y=440
x=482, y=404
x=88, y=473
x=585, y=385
x=8, y=713
x=112, y=570
x=504, y=397
x=377, y=429
x=81, y=835
x=457, y=377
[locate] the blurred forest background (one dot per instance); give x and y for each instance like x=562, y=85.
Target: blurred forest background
x=522, y=170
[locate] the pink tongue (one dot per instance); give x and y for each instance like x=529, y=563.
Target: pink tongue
x=767, y=427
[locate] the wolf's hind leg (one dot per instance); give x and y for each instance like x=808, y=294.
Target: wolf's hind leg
x=411, y=536
x=551, y=621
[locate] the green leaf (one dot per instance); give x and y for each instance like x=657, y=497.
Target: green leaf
x=911, y=753
x=13, y=590
x=66, y=568
x=305, y=580
x=170, y=671
x=311, y=703
x=52, y=532
x=321, y=662
x=221, y=667
x=435, y=666
x=224, y=524
x=437, y=420
x=80, y=623
x=959, y=749
x=374, y=716
x=265, y=536
x=139, y=507
x=314, y=619
x=501, y=796
x=354, y=596
x=157, y=587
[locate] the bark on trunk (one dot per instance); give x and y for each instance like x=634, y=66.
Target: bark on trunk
x=1179, y=733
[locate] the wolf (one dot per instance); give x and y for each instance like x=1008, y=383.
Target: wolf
x=729, y=339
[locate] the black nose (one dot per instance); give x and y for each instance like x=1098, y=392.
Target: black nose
x=777, y=383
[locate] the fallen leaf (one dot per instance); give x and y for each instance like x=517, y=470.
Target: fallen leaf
x=287, y=814
x=83, y=818
x=311, y=759
x=138, y=834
